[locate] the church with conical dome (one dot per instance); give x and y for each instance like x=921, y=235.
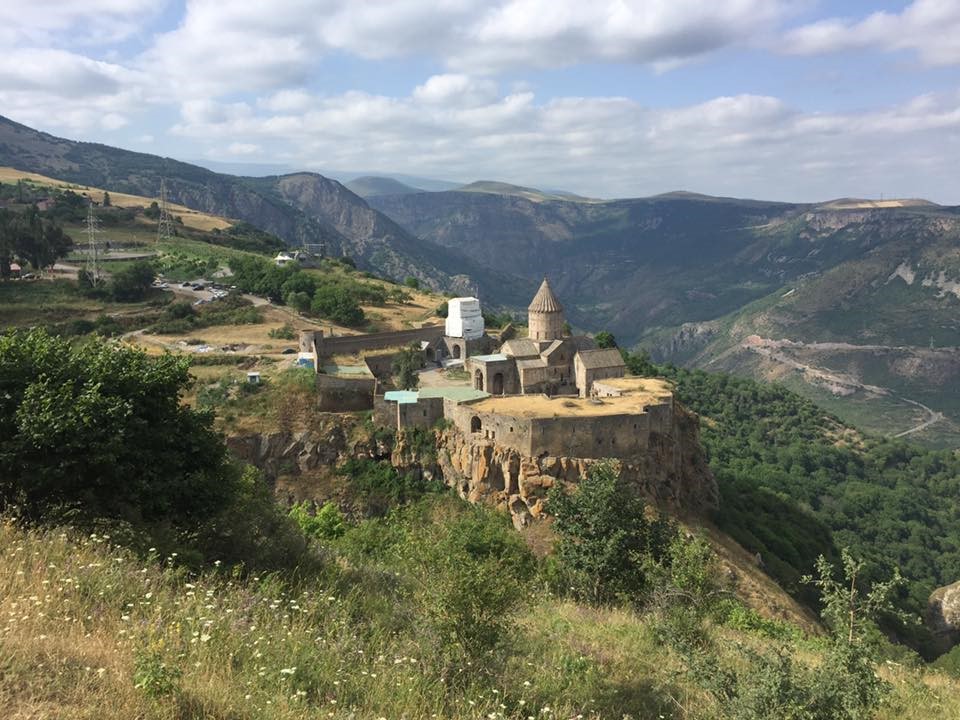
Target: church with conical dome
x=545, y=315
x=548, y=361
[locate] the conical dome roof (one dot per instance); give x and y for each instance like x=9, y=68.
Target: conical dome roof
x=545, y=301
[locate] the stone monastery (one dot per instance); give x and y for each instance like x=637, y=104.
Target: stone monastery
x=546, y=394
x=513, y=415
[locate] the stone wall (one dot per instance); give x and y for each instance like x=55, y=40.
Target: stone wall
x=671, y=471
x=351, y=344
x=583, y=436
x=422, y=414
x=511, y=432
x=338, y=394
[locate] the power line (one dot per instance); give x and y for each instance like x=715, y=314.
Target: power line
x=164, y=226
x=93, y=248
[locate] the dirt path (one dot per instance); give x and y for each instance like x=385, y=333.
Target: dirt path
x=838, y=383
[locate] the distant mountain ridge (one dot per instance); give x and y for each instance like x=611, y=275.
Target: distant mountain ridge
x=349, y=227
x=849, y=293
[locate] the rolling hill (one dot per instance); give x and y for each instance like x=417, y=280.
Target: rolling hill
x=369, y=186
x=351, y=228
x=852, y=301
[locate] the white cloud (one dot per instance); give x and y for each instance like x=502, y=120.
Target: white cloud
x=59, y=89
x=740, y=145
x=90, y=22
x=242, y=149
x=929, y=27
x=223, y=46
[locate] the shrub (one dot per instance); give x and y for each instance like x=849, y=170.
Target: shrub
x=605, y=540
x=132, y=283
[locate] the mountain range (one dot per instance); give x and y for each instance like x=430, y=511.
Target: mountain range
x=853, y=302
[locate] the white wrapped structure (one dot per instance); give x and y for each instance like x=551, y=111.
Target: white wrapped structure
x=464, y=319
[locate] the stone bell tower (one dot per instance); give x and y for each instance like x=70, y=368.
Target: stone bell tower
x=545, y=315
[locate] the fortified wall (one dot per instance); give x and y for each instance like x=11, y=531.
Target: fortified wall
x=509, y=451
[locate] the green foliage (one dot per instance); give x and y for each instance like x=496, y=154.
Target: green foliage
x=154, y=676
x=379, y=486
x=95, y=433
x=755, y=684
x=605, y=540
x=849, y=611
x=605, y=339
x=950, y=662
x=133, y=282
x=323, y=523
x=442, y=310
x=476, y=571
x=182, y=317
x=338, y=304
x=794, y=481
x=412, y=282
x=405, y=365
x=31, y=238
x=284, y=332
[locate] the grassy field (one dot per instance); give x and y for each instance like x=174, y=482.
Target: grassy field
x=85, y=626
x=191, y=218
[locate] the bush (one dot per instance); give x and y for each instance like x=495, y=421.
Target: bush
x=324, y=523
x=132, y=283
x=284, y=332
x=338, y=304
x=605, y=541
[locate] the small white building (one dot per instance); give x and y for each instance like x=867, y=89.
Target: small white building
x=464, y=319
x=283, y=259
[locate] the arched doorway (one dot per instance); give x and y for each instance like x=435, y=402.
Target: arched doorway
x=478, y=380
x=475, y=424
x=496, y=384
x=456, y=352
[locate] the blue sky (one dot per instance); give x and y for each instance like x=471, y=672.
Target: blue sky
x=779, y=99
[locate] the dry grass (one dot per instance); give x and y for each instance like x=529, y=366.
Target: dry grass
x=191, y=218
x=78, y=614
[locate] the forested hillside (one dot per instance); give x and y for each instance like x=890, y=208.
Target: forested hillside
x=795, y=482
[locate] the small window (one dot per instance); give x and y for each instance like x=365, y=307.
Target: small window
x=511, y=428
x=424, y=413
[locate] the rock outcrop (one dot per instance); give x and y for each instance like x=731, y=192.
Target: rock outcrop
x=673, y=474
x=943, y=616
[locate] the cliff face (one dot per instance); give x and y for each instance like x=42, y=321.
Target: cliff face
x=672, y=475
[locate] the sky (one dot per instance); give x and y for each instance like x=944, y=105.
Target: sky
x=794, y=100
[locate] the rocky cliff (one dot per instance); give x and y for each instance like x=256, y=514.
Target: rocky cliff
x=302, y=466
x=673, y=475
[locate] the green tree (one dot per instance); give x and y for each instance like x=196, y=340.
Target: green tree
x=38, y=241
x=99, y=428
x=106, y=199
x=132, y=283
x=605, y=541
x=338, y=304
x=324, y=523
x=605, y=339
x=442, y=310
x=405, y=365
x=412, y=282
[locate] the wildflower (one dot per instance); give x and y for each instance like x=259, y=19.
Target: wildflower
x=288, y=671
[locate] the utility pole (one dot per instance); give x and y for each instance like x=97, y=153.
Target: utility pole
x=93, y=249
x=164, y=228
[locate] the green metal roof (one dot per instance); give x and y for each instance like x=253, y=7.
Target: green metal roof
x=460, y=394
x=457, y=394
x=489, y=358
x=401, y=397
